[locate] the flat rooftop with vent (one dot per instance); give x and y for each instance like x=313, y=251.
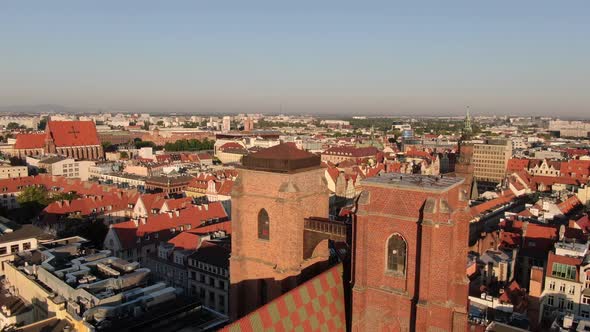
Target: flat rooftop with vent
x=414, y=181
x=94, y=290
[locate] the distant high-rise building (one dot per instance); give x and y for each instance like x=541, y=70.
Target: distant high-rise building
x=490, y=160
x=248, y=124
x=226, y=126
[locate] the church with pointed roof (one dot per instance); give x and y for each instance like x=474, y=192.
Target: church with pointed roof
x=73, y=139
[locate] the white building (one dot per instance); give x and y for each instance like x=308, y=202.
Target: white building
x=226, y=124
x=567, y=282
x=7, y=172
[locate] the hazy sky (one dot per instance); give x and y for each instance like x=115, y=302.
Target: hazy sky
x=434, y=57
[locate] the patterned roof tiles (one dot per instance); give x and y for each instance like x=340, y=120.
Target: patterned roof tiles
x=317, y=305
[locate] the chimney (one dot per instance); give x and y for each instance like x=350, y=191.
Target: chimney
x=143, y=220
x=177, y=212
x=170, y=214
x=206, y=206
x=136, y=222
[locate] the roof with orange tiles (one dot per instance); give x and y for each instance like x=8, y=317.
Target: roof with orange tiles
x=516, y=164
x=541, y=231
x=413, y=153
x=226, y=188
x=178, y=203
x=89, y=205
x=220, y=226
x=168, y=224
x=494, y=203
x=373, y=171
x=352, y=151
x=316, y=305
x=569, y=204
x=584, y=223
x=510, y=239
x=333, y=172
x=551, y=180
x=73, y=133
x=151, y=201
x=30, y=141
x=186, y=241
x=230, y=145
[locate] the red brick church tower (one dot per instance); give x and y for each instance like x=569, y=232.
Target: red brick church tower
x=410, y=252
x=277, y=188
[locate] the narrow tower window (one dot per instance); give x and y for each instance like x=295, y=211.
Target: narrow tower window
x=263, y=225
x=396, y=254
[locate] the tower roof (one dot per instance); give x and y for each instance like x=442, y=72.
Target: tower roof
x=282, y=158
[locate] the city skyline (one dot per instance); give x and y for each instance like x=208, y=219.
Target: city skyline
x=330, y=58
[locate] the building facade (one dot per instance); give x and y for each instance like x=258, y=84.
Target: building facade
x=7, y=172
x=490, y=160
x=73, y=139
x=410, y=255
x=275, y=191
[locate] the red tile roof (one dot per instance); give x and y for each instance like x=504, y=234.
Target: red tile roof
x=226, y=188
x=569, y=204
x=89, y=205
x=230, y=145
x=162, y=224
x=73, y=133
x=496, y=202
x=333, y=172
x=179, y=203
x=151, y=201
x=30, y=141
x=186, y=241
x=584, y=223
x=352, y=151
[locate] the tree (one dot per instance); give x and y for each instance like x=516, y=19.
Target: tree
x=15, y=161
x=12, y=126
x=33, y=196
x=124, y=155
x=146, y=125
x=189, y=145
x=42, y=123
x=142, y=144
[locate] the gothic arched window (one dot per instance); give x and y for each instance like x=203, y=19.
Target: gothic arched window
x=263, y=225
x=396, y=254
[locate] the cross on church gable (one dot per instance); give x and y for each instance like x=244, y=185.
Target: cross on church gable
x=74, y=132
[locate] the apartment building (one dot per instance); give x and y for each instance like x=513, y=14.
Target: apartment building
x=7, y=172
x=490, y=160
x=63, y=166
x=567, y=286
x=209, y=274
